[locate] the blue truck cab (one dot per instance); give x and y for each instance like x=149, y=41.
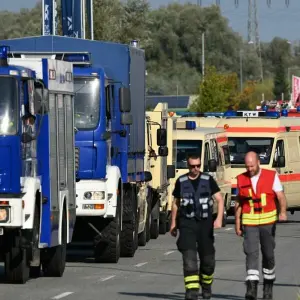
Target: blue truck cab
x=37, y=170
x=109, y=110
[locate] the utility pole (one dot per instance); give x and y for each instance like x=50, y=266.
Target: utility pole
x=203, y=54
x=253, y=32
x=241, y=70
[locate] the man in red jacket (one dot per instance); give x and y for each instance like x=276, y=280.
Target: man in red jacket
x=255, y=219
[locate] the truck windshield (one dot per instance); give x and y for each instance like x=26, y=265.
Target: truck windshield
x=8, y=105
x=239, y=146
x=184, y=147
x=87, y=102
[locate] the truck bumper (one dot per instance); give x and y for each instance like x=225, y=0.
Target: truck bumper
x=11, y=212
x=92, y=198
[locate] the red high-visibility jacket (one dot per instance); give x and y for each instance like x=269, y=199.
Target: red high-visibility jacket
x=257, y=208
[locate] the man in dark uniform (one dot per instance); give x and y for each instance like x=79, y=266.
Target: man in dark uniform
x=192, y=214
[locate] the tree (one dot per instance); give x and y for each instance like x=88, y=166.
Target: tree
x=280, y=83
x=217, y=92
x=171, y=37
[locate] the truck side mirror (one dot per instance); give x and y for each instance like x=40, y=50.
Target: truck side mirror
x=163, y=151
x=281, y=162
x=212, y=165
x=161, y=136
x=148, y=176
x=41, y=98
x=124, y=100
x=170, y=171
x=126, y=119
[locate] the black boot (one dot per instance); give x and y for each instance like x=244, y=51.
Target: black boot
x=191, y=294
x=251, y=293
x=206, y=291
x=268, y=289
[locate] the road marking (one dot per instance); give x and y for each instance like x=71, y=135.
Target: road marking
x=107, y=278
x=169, y=252
x=141, y=264
x=62, y=295
x=227, y=229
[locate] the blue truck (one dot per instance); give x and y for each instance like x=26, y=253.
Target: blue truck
x=112, y=190
x=37, y=166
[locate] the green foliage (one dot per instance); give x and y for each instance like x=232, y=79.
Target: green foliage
x=280, y=83
x=217, y=92
x=171, y=37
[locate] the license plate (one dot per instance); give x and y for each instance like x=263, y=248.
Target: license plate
x=3, y=214
x=232, y=203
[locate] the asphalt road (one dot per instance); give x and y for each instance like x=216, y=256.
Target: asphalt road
x=156, y=272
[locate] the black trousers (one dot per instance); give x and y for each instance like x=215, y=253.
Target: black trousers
x=263, y=235
x=196, y=238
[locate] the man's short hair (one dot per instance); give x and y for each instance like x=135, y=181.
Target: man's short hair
x=193, y=156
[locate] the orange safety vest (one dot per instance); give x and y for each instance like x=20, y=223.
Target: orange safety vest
x=257, y=208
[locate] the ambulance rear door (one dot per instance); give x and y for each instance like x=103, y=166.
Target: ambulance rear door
x=293, y=168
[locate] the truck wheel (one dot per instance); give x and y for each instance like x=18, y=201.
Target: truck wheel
x=55, y=262
x=169, y=220
x=148, y=235
x=149, y=218
x=108, y=251
x=16, y=265
x=129, y=232
x=143, y=235
x=154, y=230
x=224, y=220
x=163, y=223
x=35, y=270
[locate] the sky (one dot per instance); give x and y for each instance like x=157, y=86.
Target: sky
x=278, y=20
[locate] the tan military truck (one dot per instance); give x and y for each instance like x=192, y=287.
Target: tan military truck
x=160, y=169
x=212, y=145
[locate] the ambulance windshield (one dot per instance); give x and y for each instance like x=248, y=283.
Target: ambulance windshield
x=8, y=105
x=87, y=102
x=184, y=147
x=239, y=146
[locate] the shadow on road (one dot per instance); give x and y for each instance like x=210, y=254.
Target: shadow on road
x=242, y=281
x=178, y=296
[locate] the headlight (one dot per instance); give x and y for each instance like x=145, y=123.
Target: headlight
x=94, y=195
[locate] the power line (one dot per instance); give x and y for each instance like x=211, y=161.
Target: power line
x=268, y=2
x=218, y=2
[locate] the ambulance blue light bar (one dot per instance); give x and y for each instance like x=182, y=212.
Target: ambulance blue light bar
x=252, y=114
x=199, y=114
x=191, y=125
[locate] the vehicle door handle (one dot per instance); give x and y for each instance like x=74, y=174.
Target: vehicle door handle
x=288, y=172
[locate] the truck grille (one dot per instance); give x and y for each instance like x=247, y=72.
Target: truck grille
x=76, y=159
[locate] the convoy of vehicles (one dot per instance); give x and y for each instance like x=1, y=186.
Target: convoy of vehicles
x=87, y=123
x=85, y=165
